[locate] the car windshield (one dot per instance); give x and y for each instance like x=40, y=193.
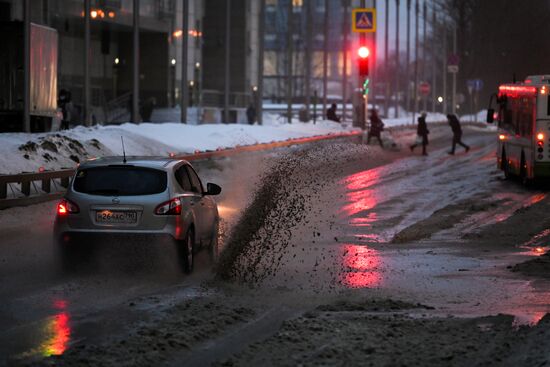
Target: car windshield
x=120, y=181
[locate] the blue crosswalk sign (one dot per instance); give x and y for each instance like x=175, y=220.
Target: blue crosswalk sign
x=364, y=20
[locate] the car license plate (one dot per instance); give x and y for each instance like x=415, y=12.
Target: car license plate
x=111, y=217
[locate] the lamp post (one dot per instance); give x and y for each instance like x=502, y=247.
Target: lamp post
x=184, y=57
x=396, y=104
x=135, y=71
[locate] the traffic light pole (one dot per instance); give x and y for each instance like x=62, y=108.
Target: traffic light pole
x=345, y=66
x=364, y=99
x=362, y=79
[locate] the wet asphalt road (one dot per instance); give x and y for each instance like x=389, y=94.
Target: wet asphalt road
x=345, y=244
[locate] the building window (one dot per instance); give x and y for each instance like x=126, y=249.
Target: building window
x=317, y=64
x=341, y=64
x=270, y=63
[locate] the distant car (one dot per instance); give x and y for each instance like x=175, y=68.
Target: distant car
x=141, y=196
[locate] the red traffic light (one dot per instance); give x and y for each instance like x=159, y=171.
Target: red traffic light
x=363, y=52
x=363, y=60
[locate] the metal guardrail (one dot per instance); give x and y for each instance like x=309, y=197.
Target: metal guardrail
x=52, y=184
x=25, y=184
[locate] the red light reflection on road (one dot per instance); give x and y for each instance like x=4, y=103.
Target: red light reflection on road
x=364, y=221
x=536, y=198
x=358, y=196
x=359, y=201
x=58, y=331
x=361, y=267
x=362, y=180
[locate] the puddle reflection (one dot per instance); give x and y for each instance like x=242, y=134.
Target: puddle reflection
x=359, y=198
x=361, y=267
x=57, y=331
x=364, y=221
x=361, y=202
x=537, y=239
x=363, y=180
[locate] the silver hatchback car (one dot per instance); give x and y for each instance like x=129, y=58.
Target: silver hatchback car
x=138, y=195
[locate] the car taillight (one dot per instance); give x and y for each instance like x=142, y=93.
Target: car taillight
x=67, y=207
x=170, y=207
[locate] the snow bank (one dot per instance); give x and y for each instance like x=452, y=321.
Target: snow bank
x=20, y=152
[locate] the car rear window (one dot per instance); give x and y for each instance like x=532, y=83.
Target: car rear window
x=120, y=181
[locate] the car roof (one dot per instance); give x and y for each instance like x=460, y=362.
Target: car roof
x=141, y=161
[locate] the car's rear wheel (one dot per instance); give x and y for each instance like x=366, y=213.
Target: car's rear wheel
x=186, y=252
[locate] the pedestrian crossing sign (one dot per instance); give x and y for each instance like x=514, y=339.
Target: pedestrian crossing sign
x=364, y=20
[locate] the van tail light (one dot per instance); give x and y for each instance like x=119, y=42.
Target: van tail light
x=65, y=207
x=170, y=207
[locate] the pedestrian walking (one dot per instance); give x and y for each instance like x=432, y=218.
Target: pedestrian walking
x=421, y=134
x=376, y=127
x=457, y=133
x=251, y=114
x=331, y=113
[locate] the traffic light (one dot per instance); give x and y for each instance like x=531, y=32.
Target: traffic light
x=363, y=60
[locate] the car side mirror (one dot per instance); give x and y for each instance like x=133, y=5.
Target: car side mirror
x=212, y=189
x=490, y=115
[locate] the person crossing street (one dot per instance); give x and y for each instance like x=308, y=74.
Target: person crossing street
x=422, y=134
x=457, y=133
x=376, y=127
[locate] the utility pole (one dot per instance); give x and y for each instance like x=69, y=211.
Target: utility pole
x=87, y=60
x=444, y=110
x=135, y=71
x=345, y=56
x=424, y=53
x=407, y=66
x=396, y=104
x=325, y=60
x=454, y=74
x=363, y=102
x=227, y=86
x=415, y=90
x=289, y=45
x=309, y=30
x=374, y=55
x=386, y=74
x=261, y=41
x=184, y=51
x=434, y=61
x=27, y=65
